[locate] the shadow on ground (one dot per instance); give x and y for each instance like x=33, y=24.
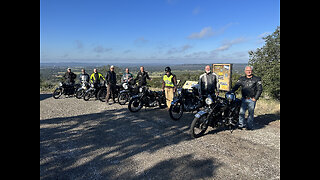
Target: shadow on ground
x=116, y=144
x=45, y=96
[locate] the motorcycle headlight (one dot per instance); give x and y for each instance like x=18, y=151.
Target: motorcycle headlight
x=140, y=89
x=60, y=84
x=209, y=100
x=179, y=91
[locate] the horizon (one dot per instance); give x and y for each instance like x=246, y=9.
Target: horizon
x=158, y=31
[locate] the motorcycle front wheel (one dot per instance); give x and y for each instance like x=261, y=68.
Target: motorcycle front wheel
x=57, y=93
x=87, y=95
x=123, y=98
x=80, y=93
x=135, y=105
x=176, y=111
x=198, y=126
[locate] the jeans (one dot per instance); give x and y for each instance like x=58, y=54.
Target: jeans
x=250, y=105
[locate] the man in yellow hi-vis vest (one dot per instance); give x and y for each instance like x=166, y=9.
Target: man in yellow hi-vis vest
x=169, y=85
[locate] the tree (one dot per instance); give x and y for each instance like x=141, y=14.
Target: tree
x=266, y=64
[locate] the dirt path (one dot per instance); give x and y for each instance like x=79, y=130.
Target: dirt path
x=91, y=140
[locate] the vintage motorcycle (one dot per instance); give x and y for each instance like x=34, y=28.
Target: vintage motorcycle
x=129, y=89
x=218, y=112
x=147, y=98
x=66, y=89
x=101, y=95
x=186, y=100
x=80, y=92
x=92, y=91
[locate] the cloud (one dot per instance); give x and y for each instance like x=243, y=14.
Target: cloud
x=140, y=40
x=127, y=51
x=181, y=49
x=228, y=44
x=208, y=32
x=101, y=49
x=261, y=36
x=204, y=33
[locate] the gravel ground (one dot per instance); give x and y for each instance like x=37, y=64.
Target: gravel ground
x=92, y=140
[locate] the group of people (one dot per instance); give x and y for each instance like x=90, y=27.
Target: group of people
x=110, y=79
x=208, y=81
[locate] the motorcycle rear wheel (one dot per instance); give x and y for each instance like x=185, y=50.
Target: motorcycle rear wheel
x=198, y=126
x=102, y=95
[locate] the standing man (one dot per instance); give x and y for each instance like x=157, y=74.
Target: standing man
x=95, y=77
x=209, y=82
x=69, y=77
x=251, y=91
x=169, y=85
x=83, y=77
x=69, y=80
x=111, y=79
x=142, y=76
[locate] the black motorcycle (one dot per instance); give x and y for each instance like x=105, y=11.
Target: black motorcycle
x=147, y=98
x=219, y=112
x=66, y=89
x=92, y=91
x=129, y=89
x=103, y=92
x=187, y=100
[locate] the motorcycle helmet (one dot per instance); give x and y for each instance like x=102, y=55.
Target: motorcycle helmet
x=230, y=96
x=167, y=69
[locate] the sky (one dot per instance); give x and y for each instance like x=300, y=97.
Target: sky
x=154, y=31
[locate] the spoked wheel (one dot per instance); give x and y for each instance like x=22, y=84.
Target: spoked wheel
x=176, y=111
x=123, y=98
x=102, y=95
x=88, y=95
x=135, y=105
x=80, y=93
x=57, y=93
x=198, y=126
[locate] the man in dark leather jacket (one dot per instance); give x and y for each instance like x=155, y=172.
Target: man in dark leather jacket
x=251, y=91
x=142, y=77
x=111, y=79
x=69, y=77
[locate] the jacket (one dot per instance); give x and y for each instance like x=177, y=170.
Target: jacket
x=95, y=78
x=84, y=77
x=209, y=83
x=69, y=77
x=111, y=77
x=142, y=77
x=251, y=87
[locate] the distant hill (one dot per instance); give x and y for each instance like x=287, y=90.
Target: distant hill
x=237, y=67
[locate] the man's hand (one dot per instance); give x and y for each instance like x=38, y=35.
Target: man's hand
x=253, y=99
